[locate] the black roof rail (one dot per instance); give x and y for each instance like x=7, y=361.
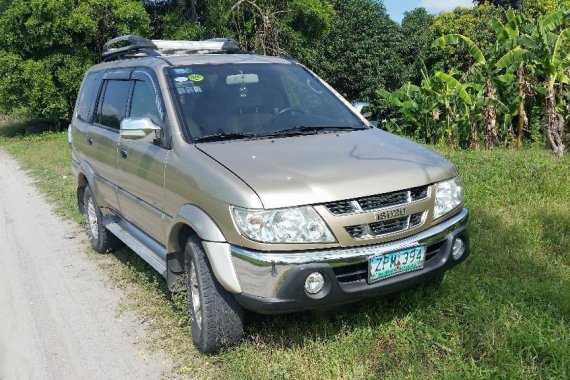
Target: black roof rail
x=139, y=47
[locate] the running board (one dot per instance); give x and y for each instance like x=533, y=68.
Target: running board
x=148, y=249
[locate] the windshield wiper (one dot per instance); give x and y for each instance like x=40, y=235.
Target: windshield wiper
x=224, y=136
x=310, y=130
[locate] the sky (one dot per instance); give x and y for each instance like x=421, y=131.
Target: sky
x=396, y=8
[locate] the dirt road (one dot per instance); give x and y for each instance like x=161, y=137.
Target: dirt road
x=58, y=316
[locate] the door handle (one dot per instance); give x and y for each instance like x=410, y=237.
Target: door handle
x=123, y=152
x=89, y=141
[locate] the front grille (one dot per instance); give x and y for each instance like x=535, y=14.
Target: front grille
x=385, y=227
x=340, y=208
x=376, y=202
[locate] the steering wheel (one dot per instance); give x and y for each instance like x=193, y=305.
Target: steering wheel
x=286, y=111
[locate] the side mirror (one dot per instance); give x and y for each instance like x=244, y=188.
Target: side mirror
x=135, y=128
x=363, y=108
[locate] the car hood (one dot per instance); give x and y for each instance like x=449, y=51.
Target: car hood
x=320, y=168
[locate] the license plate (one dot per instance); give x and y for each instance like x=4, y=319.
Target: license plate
x=392, y=264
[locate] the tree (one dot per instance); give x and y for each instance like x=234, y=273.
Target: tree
x=270, y=27
x=539, y=8
x=552, y=55
x=482, y=68
x=361, y=52
x=515, y=65
x=472, y=23
x=177, y=19
x=46, y=46
x=514, y=4
x=415, y=42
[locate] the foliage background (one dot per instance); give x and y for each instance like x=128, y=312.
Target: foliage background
x=46, y=46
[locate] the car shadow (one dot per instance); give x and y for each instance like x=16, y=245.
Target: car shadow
x=502, y=264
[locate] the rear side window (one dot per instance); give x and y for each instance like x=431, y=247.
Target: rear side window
x=144, y=102
x=113, y=103
x=88, y=95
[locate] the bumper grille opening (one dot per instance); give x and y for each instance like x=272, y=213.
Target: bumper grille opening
x=351, y=273
x=433, y=250
x=359, y=271
x=376, y=202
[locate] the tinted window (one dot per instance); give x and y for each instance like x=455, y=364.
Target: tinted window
x=87, y=97
x=112, y=106
x=255, y=98
x=144, y=102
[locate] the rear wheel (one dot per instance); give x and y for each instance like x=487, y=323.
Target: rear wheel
x=101, y=239
x=217, y=318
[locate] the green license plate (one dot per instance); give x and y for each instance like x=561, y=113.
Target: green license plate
x=392, y=264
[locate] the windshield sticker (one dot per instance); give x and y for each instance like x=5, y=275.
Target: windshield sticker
x=188, y=90
x=196, y=77
x=181, y=79
x=182, y=71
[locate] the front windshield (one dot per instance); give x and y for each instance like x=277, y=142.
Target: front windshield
x=255, y=99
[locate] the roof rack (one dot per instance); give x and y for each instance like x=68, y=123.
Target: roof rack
x=141, y=47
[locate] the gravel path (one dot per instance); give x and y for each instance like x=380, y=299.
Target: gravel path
x=58, y=316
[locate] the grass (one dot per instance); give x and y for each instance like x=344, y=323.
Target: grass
x=504, y=313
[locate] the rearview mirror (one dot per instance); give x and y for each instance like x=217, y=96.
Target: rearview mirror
x=363, y=108
x=242, y=78
x=135, y=128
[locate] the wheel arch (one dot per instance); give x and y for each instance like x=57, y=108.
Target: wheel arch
x=192, y=220
x=84, y=178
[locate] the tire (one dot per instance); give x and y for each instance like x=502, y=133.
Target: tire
x=101, y=239
x=217, y=317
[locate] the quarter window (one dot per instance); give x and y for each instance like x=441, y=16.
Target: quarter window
x=112, y=107
x=88, y=96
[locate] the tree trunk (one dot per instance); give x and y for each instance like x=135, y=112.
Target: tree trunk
x=490, y=115
x=474, y=136
x=523, y=119
x=554, y=125
x=450, y=115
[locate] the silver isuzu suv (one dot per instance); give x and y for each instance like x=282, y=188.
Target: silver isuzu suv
x=250, y=183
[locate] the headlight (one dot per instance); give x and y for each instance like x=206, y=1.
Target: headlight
x=448, y=195
x=289, y=225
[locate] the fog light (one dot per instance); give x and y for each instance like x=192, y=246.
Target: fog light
x=314, y=283
x=458, y=248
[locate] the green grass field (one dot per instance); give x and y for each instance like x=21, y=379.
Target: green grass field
x=504, y=313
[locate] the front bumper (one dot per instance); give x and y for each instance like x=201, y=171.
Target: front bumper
x=273, y=283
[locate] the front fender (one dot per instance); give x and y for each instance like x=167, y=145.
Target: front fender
x=197, y=220
x=214, y=243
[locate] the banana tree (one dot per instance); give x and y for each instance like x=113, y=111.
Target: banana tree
x=552, y=57
x=482, y=69
x=515, y=65
x=458, y=104
x=417, y=109
x=441, y=109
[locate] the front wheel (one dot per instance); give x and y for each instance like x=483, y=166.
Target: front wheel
x=217, y=318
